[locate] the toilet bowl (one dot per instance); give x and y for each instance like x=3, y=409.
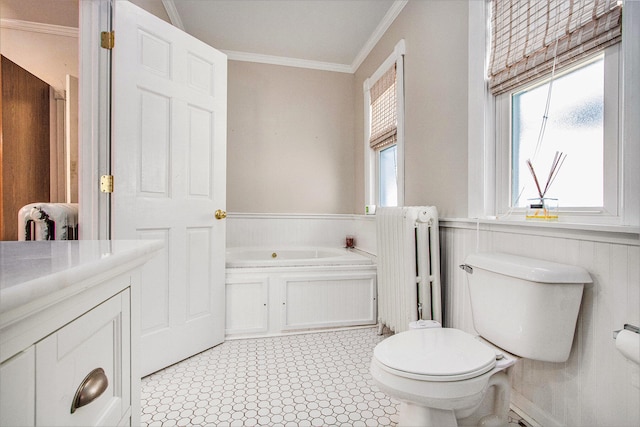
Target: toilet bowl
x=442, y=376
x=522, y=307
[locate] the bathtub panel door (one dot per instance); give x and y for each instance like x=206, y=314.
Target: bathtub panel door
x=247, y=305
x=328, y=300
x=169, y=146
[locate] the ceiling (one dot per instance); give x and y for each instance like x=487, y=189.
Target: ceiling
x=326, y=34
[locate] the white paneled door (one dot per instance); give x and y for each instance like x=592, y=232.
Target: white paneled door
x=169, y=99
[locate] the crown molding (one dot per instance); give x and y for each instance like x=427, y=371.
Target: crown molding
x=176, y=21
x=38, y=27
x=174, y=16
x=384, y=25
x=287, y=62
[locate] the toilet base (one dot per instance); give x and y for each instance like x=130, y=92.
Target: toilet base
x=416, y=415
x=491, y=411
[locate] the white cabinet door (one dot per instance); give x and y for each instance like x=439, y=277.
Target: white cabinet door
x=247, y=310
x=98, y=339
x=17, y=390
x=169, y=102
x=330, y=300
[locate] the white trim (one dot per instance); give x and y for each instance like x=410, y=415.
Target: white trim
x=57, y=156
x=400, y=51
x=591, y=232
x=38, y=27
x=612, y=125
x=482, y=186
x=630, y=150
x=609, y=213
x=481, y=153
x=247, y=215
x=174, y=15
x=370, y=155
x=286, y=62
x=382, y=28
x=93, y=119
x=541, y=417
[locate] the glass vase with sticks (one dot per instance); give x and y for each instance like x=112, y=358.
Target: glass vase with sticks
x=544, y=208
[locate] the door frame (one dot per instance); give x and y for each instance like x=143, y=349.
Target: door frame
x=94, y=121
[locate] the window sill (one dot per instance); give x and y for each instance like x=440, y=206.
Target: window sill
x=581, y=231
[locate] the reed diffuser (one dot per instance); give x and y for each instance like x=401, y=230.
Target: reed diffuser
x=545, y=208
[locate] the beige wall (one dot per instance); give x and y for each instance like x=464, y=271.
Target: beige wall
x=50, y=57
x=290, y=140
x=435, y=33
x=55, y=12
x=295, y=136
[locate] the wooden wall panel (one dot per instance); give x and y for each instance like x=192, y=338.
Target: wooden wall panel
x=24, y=143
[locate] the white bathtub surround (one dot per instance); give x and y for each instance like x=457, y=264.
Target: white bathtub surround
x=597, y=386
x=274, y=290
x=328, y=230
x=275, y=256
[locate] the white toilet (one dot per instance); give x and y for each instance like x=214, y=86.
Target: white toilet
x=521, y=307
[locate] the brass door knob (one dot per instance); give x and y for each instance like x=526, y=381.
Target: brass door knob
x=220, y=214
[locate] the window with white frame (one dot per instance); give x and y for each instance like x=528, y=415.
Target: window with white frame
x=384, y=113
x=553, y=72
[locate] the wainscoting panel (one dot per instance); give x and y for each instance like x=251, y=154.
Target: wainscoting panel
x=597, y=386
x=278, y=230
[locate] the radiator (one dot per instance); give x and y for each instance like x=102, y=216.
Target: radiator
x=48, y=221
x=408, y=266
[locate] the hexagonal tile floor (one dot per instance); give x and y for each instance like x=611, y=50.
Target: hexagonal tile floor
x=314, y=379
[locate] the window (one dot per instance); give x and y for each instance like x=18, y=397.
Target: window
x=574, y=124
x=387, y=175
x=384, y=133
x=552, y=101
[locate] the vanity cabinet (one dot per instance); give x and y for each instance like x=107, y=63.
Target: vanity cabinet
x=86, y=361
x=69, y=341
x=17, y=389
x=39, y=385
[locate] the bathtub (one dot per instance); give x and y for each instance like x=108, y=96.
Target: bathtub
x=293, y=257
x=274, y=291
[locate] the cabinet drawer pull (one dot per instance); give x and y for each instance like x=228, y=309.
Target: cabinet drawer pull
x=91, y=388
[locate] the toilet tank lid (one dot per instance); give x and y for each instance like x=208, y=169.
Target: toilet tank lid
x=534, y=270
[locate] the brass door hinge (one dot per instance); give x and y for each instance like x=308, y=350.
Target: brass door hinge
x=106, y=183
x=107, y=39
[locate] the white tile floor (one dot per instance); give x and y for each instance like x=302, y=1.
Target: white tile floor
x=316, y=379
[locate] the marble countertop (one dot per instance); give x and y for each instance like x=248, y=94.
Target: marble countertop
x=34, y=274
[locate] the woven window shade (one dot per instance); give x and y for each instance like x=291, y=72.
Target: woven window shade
x=524, y=34
x=384, y=127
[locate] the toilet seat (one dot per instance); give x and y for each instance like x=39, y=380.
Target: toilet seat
x=441, y=354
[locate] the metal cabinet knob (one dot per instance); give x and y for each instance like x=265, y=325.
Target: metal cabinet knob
x=220, y=214
x=90, y=389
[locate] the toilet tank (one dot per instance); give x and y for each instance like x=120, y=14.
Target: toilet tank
x=526, y=306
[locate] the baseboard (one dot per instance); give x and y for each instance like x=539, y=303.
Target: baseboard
x=532, y=414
